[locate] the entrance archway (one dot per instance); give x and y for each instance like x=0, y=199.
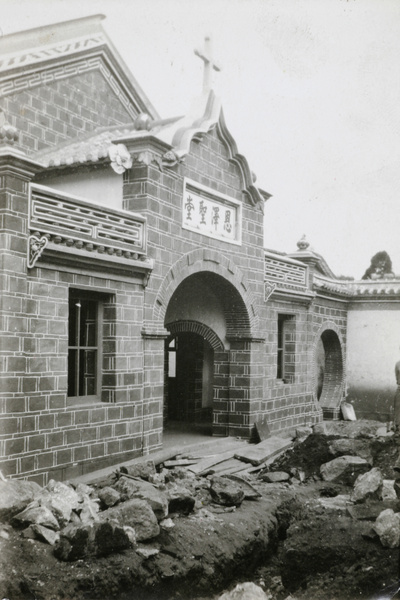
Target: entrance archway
x=329, y=376
x=205, y=316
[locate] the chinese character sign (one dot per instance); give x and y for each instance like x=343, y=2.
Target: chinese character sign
x=214, y=217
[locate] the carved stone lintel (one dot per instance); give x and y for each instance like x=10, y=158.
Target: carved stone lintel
x=36, y=245
x=269, y=289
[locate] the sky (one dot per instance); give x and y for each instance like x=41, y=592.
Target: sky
x=310, y=91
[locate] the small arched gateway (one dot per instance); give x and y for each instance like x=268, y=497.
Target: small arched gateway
x=329, y=372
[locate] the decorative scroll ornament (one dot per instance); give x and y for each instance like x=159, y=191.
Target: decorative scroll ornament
x=120, y=158
x=8, y=134
x=170, y=159
x=146, y=158
x=36, y=245
x=269, y=289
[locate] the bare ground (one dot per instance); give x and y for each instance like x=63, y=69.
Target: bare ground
x=287, y=541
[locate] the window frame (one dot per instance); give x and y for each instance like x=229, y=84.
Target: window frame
x=83, y=295
x=283, y=322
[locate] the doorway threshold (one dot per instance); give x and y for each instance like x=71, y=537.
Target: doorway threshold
x=179, y=433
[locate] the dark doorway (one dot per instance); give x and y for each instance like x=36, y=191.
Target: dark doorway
x=189, y=377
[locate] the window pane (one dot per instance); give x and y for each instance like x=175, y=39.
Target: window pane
x=280, y=365
x=88, y=324
x=72, y=373
x=172, y=364
x=87, y=372
x=72, y=321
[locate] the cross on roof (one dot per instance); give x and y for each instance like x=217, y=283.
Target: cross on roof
x=209, y=63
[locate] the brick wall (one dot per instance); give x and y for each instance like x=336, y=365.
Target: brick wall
x=48, y=115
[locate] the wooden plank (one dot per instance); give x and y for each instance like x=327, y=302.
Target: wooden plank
x=239, y=467
x=183, y=462
x=207, y=463
x=226, y=466
x=261, y=452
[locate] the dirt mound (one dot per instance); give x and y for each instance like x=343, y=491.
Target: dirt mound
x=307, y=456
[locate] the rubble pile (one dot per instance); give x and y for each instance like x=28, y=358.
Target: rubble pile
x=293, y=520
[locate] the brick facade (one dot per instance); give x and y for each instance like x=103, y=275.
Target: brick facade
x=176, y=282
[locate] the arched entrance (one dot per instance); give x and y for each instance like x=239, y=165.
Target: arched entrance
x=329, y=376
x=204, y=317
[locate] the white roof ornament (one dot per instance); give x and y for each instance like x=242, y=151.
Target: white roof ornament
x=210, y=64
x=303, y=244
x=120, y=158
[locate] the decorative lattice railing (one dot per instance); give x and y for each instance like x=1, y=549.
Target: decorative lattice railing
x=74, y=222
x=285, y=273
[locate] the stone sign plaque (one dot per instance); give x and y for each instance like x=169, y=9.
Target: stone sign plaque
x=210, y=213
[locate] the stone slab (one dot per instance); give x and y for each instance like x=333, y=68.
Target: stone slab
x=262, y=429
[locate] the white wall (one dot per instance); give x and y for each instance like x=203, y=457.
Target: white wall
x=101, y=186
x=373, y=348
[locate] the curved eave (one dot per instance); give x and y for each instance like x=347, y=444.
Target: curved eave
x=255, y=195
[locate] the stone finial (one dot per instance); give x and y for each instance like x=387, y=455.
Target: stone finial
x=8, y=133
x=143, y=122
x=302, y=244
x=210, y=64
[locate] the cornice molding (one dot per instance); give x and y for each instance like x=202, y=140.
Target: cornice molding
x=15, y=162
x=80, y=258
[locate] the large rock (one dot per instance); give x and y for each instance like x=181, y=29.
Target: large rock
x=344, y=469
x=44, y=534
x=60, y=498
x=57, y=505
x=142, y=490
x=39, y=515
x=137, y=514
x=387, y=526
x=180, y=499
x=57, y=489
x=15, y=495
x=245, y=591
x=87, y=510
x=108, y=496
x=226, y=492
x=351, y=447
x=371, y=510
x=91, y=539
x=368, y=486
x=141, y=469
x=388, y=491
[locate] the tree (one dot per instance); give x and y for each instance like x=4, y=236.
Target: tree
x=380, y=267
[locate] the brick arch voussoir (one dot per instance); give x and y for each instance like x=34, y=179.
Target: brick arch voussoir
x=196, y=327
x=335, y=378
x=201, y=260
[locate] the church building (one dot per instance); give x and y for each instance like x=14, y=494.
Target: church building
x=135, y=287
